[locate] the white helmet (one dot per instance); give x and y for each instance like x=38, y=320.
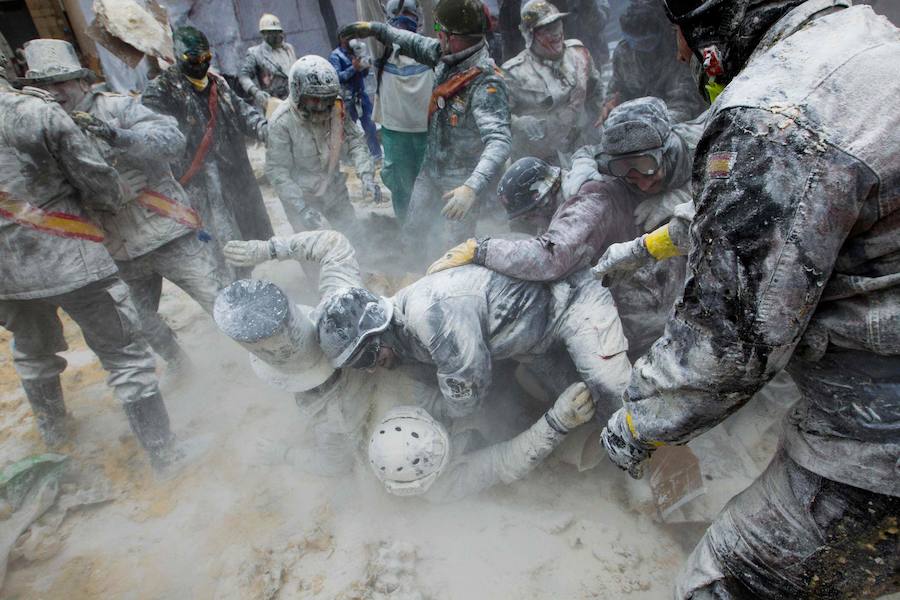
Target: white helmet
x=408, y=450
x=313, y=76
x=269, y=22
x=535, y=14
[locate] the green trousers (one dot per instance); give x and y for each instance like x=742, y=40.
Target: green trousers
x=403, y=156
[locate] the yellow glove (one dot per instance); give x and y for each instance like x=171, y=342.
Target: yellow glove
x=457, y=256
x=458, y=203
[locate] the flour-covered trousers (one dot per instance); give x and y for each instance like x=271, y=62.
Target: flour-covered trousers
x=334, y=204
x=795, y=534
x=187, y=262
x=109, y=323
x=592, y=333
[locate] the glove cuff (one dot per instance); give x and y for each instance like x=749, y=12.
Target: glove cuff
x=554, y=423
x=480, y=255
x=660, y=245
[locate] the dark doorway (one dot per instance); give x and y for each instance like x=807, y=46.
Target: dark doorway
x=15, y=23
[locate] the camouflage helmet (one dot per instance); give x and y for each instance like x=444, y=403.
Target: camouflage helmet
x=313, y=76
x=462, y=17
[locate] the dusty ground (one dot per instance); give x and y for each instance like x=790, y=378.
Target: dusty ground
x=235, y=524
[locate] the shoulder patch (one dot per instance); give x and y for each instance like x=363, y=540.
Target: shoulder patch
x=719, y=164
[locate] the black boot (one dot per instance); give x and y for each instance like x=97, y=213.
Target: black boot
x=46, y=399
x=150, y=423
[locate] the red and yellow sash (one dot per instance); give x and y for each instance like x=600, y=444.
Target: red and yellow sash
x=166, y=207
x=55, y=223
x=450, y=88
x=207, y=140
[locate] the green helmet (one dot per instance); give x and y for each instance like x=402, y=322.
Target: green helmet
x=462, y=17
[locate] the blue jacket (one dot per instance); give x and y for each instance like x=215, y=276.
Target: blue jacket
x=352, y=81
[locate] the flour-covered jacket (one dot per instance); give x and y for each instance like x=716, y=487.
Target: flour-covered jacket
x=46, y=161
x=794, y=252
x=266, y=69
x=565, y=94
x=298, y=149
x=468, y=134
x=146, y=142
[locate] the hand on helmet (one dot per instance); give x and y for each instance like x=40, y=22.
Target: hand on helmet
x=458, y=203
x=532, y=127
x=261, y=98
x=360, y=29
x=624, y=450
x=460, y=255
x=313, y=219
x=621, y=259
x=574, y=407
x=91, y=124
x=247, y=254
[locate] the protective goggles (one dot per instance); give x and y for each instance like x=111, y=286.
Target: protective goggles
x=366, y=356
x=197, y=59
x=620, y=166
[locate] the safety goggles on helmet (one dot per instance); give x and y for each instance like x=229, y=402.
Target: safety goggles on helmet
x=366, y=356
x=197, y=58
x=645, y=163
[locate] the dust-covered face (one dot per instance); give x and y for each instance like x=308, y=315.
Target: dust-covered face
x=68, y=93
x=549, y=41
x=195, y=64
x=648, y=184
x=273, y=38
x=315, y=108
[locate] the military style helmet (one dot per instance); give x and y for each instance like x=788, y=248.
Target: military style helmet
x=723, y=33
x=527, y=184
x=408, y=450
x=462, y=17
x=313, y=76
x=269, y=22
x=51, y=61
x=537, y=13
x=347, y=321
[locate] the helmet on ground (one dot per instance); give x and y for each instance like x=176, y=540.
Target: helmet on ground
x=537, y=13
x=634, y=137
x=52, y=61
x=280, y=335
x=347, y=321
x=313, y=76
x=528, y=184
x=269, y=22
x=408, y=450
x=462, y=17
x=724, y=33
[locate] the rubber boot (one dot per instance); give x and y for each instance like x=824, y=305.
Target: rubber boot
x=46, y=399
x=149, y=421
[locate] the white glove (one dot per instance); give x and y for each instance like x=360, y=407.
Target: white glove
x=574, y=407
x=135, y=181
x=458, y=203
x=622, y=258
x=532, y=127
x=247, y=254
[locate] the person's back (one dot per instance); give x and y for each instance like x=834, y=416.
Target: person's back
x=41, y=155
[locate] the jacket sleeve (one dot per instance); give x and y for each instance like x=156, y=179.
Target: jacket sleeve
x=420, y=48
x=280, y=164
x=490, y=108
x=99, y=184
x=355, y=145
x=557, y=252
x=620, y=75
x=252, y=122
x=452, y=333
x=344, y=75
x=330, y=249
x=148, y=134
x=247, y=74
x=501, y=463
x=774, y=207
